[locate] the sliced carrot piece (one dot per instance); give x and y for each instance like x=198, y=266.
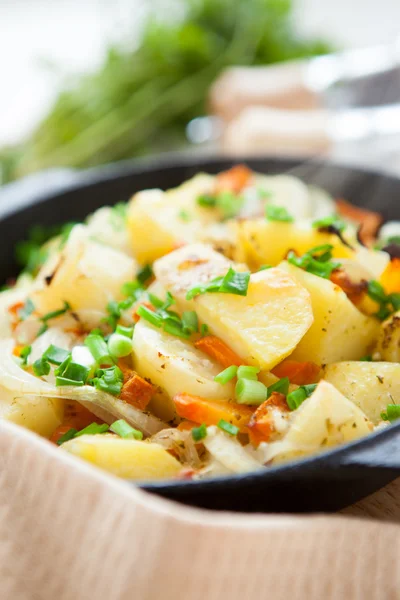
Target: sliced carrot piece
x=186, y=425
x=76, y=417
x=219, y=351
x=261, y=425
x=233, y=180
x=136, y=390
x=210, y=412
x=390, y=278
x=368, y=220
x=300, y=373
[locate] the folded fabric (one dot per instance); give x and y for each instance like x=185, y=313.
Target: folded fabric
x=68, y=531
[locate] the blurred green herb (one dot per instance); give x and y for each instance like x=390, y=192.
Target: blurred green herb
x=139, y=97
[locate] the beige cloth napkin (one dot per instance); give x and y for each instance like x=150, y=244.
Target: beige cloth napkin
x=70, y=532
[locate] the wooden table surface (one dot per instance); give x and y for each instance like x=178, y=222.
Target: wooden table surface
x=383, y=505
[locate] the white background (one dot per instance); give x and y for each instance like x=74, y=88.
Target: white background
x=72, y=34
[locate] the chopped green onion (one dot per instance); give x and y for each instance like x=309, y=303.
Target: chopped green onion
x=248, y=391
x=245, y=372
x=119, y=345
x=73, y=374
x=41, y=367
x=204, y=329
x=265, y=267
x=383, y=313
x=175, y=328
x=149, y=316
x=226, y=375
x=228, y=427
x=44, y=327
x=144, y=274
x=235, y=283
x=124, y=430
x=229, y=204
x=281, y=386
x=99, y=349
x=263, y=193
x=367, y=358
x=392, y=413
x=207, y=201
x=93, y=429
x=25, y=352
x=184, y=215
x=68, y=435
x=26, y=310
x=199, y=433
x=331, y=221
x=278, y=213
x=190, y=321
x=317, y=261
x=56, y=313
x=376, y=292
x=109, y=380
x=395, y=301
x=132, y=289
x=232, y=283
x=126, y=331
x=55, y=355
x=296, y=398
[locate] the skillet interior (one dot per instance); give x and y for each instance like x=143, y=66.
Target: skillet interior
x=325, y=482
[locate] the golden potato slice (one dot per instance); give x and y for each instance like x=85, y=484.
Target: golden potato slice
x=325, y=419
x=370, y=385
x=267, y=242
x=340, y=331
x=86, y=274
x=262, y=327
x=129, y=459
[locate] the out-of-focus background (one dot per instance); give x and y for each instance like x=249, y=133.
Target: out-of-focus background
x=88, y=82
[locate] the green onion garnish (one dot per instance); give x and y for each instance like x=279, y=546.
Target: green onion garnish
x=229, y=204
x=25, y=352
x=331, y=221
x=248, y=391
x=296, y=398
x=281, y=386
x=233, y=283
x=119, y=345
x=392, y=413
x=72, y=374
x=93, y=429
x=126, y=331
x=245, y=372
x=199, y=433
x=265, y=267
x=204, y=329
x=387, y=303
x=175, y=328
x=228, y=427
x=317, y=261
x=190, y=321
x=278, y=213
x=41, y=367
x=184, y=215
x=56, y=313
x=376, y=292
x=109, y=380
x=367, y=358
x=207, y=201
x=26, y=310
x=149, y=315
x=68, y=435
x=124, y=430
x=226, y=375
x=144, y=274
x=98, y=349
x=55, y=355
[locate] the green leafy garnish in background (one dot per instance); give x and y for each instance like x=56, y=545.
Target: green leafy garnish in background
x=140, y=100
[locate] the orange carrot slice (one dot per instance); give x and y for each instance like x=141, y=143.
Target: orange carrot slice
x=300, y=373
x=261, y=425
x=219, y=351
x=233, y=180
x=210, y=412
x=136, y=390
x=390, y=278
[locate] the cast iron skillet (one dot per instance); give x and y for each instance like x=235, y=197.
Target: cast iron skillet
x=326, y=482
